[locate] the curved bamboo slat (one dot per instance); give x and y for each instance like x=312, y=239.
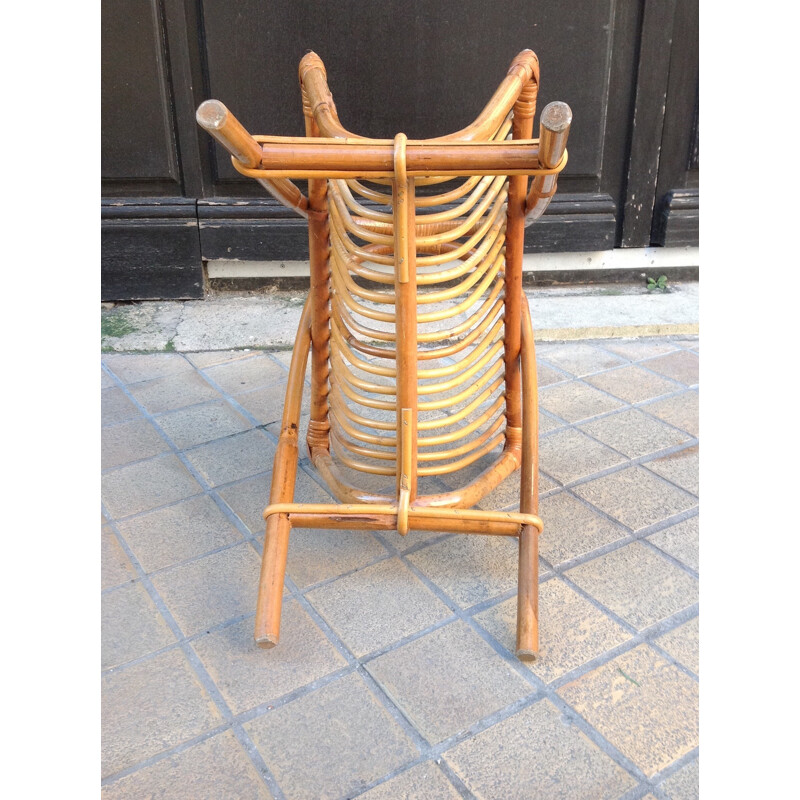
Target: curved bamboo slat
x=418, y=333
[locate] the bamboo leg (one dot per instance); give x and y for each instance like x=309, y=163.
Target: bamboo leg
x=284, y=473
x=528, y=595
x=270, y=590
x=528, y=580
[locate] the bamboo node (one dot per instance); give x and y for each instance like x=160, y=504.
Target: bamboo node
x=311, y=61
x=525, y=107
x=528, y=61
x=513, y=436
x=318, y=433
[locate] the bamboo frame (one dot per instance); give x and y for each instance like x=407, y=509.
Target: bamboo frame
x=420, y=341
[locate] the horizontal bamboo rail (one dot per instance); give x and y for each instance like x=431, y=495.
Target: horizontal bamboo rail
x=466, y=519
x=275, y=158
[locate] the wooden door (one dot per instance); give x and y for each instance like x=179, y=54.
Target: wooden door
x=628, y=69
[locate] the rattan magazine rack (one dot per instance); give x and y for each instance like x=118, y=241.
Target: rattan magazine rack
x=419, y=333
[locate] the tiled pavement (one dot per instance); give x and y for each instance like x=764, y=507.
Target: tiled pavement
x=395, y=677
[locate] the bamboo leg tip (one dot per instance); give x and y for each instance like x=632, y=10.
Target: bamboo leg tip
x=266, y=642
x=527, y=655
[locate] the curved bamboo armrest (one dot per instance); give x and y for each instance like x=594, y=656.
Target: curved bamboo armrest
x=318, y=100
x=214, y=117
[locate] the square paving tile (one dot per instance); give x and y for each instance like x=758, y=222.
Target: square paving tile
x=129, y=441
x=637, y=584
x=569, y=454
x=506, y=495
x=151, y=707
x=266, y=404
x=637, y=349
x=633, y=433
x=131, y=626
x=632, y=384
x=423, y=782
x=212, y=589
x=116, y=407
x=682, y=468
x=681, y=541
x=249, y=498
x=447, y=680
x=318, y=555
x=646, y=707
x=233, y=458
x=572, y=630
x=572, y=529
x=377, y=605
x=545, y=375
x=145, y=485
x=214, y=357
x=536, y=754
x=106, y=381
x=470, y=569
x=546, y=483
x=330, y=743
x=682, y=411
x=248, y=676
x=202, y=423
x=172, y=392
x=245, y=374
x=579, y=358
x=132, y=368
x=216, y=768
x=548, y=423
x=575, y=401
x=179, y=532
x=683, y=366
x=115, y=566
x=683, y=644
x=685, y=783
x=636, y=497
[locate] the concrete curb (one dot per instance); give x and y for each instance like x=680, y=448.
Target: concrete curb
x=269, y=321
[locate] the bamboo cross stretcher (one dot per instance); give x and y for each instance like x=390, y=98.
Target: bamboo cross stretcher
x=420, y=339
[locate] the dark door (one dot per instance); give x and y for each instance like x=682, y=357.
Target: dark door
x=627, y=68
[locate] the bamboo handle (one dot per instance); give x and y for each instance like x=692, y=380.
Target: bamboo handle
x=214, y=117
x=553, y=134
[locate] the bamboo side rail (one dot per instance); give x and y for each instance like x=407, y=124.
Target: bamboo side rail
x=417, y=330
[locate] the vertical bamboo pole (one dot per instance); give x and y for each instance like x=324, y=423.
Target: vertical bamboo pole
x=319, y=249
x=405, y=284
x=522, y=127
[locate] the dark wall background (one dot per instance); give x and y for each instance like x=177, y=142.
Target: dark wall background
x=628, y=69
